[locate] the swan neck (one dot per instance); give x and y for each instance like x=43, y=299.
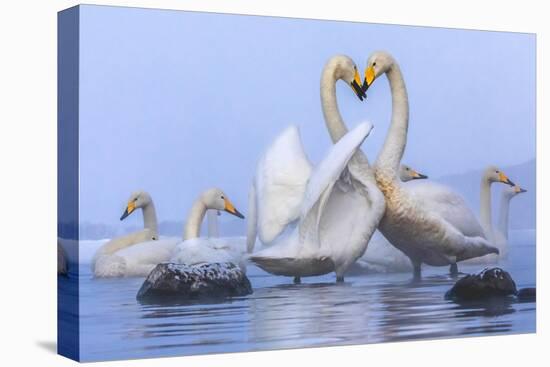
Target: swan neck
x=194, y=220
x=333, y=119
x=504, y=215
x=331, y=113
x=150, y=218
x=485, y=208
x=396, y=138
x=212, y=219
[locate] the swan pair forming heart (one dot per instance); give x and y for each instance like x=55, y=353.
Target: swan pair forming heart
x=315, y=220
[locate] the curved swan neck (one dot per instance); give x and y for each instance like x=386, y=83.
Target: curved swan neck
x=331, y=113
x=504, y=215
x=194, y=220
x=485, y=208
x=212, y=219
x=396, y=138
x=333, y=120
x=150, y=218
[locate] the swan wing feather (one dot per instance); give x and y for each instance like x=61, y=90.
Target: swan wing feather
x=331, y=170
x=279, y=185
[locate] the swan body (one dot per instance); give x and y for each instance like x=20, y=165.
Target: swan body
x=195, y=249
x=449, y=205
x=136, y=260
x=421, y=228
x=211, y=250
x=134, y=254
x=327, y=236
x=381, y=256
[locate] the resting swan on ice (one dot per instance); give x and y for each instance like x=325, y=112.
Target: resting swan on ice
x=195, y=249
x=134, y=254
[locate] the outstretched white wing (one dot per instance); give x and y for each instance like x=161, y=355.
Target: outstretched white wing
x=335, y=216
x=279, y=186
x=333, y=193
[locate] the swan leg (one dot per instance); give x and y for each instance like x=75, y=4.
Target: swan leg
x=297, y=280
x=453, y=270
x=340, y=279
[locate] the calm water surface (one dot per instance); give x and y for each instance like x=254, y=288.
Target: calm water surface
x=365, y=309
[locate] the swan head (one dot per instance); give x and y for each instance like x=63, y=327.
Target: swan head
x=406, y=173
x=138, y=199
x=494, y=174
x=378, y=63
x=218, y=200
x=345, y=69
x=512, y=191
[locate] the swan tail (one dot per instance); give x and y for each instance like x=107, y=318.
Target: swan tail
x=476, y=247
x=252, y=221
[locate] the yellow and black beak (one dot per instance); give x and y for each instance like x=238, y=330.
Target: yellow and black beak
x=129, y=209
x=356, y=86
x=231, y=209
x=504, y=179
x=417, y=176
x=369, y=78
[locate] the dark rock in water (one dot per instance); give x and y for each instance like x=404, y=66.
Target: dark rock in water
x=488, y=283
x=182, y=283
x=527, y=294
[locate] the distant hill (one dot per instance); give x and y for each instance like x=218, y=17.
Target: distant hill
x=522, y=207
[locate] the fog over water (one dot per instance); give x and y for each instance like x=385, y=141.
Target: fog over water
x=174, y=102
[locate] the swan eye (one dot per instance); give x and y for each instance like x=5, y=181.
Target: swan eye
x=374, y=63
x=223, y=197
x=497, y=171
x=407, y=168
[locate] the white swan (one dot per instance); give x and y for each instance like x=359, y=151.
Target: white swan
x=195, y=249
x=330, y=233
x=435, y=232
x=328, y=214
x=490, y=174
x=134, y=254
x=501, y=233
x=453, y=208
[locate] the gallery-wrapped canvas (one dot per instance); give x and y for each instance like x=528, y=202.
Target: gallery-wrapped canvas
x=232, y=183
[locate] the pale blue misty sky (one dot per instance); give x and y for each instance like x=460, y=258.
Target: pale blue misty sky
x=175, y=102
